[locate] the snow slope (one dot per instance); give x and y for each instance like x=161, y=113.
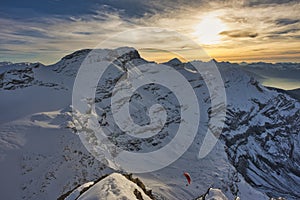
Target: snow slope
x=114, y=186
x=42, y=157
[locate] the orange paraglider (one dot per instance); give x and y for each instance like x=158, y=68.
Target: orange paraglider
x=188, y=177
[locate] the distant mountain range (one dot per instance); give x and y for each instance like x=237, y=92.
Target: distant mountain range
x=278, y=75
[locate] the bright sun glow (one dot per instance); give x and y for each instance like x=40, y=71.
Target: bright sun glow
x=207, y=31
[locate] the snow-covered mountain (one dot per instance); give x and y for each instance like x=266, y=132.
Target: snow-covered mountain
x=42, y=157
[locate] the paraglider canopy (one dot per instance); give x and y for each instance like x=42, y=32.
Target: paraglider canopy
x=188, y=177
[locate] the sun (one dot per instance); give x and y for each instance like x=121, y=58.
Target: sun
x=207, y=31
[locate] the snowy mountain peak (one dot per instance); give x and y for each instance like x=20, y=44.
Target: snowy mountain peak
x=174, y=62
x=70, y=64
x=214, y=60
x=116, y=52
x=78, y=53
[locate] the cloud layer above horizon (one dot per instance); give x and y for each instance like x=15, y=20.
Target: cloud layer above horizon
x=267, y=30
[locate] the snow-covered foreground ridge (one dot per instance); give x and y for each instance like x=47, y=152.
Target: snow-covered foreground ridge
x=42, y=157
x=118, y=186
x=111, y=187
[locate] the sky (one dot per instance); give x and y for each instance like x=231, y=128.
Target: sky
x=232, y=30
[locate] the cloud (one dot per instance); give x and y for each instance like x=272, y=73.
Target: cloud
x=31, y=33
x=291, y=52
x=268, y=2
x=5, y=50
x=58, y=27
x=286, y=21
x=40, y=37
x=83, y=33
x=29, y=9
x=239, y=34
x=286, y=31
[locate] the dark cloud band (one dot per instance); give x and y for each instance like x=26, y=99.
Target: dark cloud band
x=239, y=34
